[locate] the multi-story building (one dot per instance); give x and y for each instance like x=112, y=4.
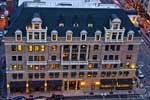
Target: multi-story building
x=70, y=47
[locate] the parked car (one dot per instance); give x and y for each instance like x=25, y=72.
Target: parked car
x=140, y=74
x=57, y=97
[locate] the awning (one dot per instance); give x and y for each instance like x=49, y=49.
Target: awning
x=54, y=82
x=18, y=84
x=124, y=81
x=36, y=83
x=108, y=81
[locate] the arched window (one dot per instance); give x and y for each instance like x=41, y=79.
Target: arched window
x=18, y=35
x=69, y=35
x=97, y=35
x=130, y=35
x=54, y=35
x=83, y=35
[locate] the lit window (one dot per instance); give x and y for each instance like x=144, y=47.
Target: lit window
x=97, y=37
x=36, y=48
x=36, y=67
x=51, y=66
x=90, y=25
x=30, y=67
x=133, y=66
x=43, y=48
x=54, y=37
x=19, y=47
x=30, y=35
x=36, y=26
x=42, y=35
x=90, y=66
x=61, y=24
x=54, y=47
x=108, y=36
x=127, y=65
x=69, y=37
x=14, y=67
x=36, y=35
x=20, y=67
x=30, y=48
x=18, y=37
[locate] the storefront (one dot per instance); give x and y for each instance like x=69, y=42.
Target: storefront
x=124, y=84
x=36, y=86
x=17, y=86
x=54, y=85
x=107, y=83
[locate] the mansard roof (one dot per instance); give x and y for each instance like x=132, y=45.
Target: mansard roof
x=100, y=17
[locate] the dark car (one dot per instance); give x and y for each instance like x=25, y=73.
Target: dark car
x=57, y=97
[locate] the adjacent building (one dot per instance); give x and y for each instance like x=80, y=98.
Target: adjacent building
x=70, y=47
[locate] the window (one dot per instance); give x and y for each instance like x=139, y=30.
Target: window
x=73, y=74
x=13, y=47
x=54, y=37
x=14, y=67
x=128, y=57
x=61, y=24
x=19, y=58
x=30, y=58
x=75, y=25
x=89, y=74
x=65, y=74
x=90, y=66
x=118, y=48
x=30, y=35
x=13, y=58
x=110, y=57
x=36, y=58
x=65, y=67
x=20, y=76
x=116, y=57
x=30, y=67
x=42, y=58
x=95, y=65
x=30, y=75
x=42, y=75
x=14, y=76
x=43, y=48
x=53, y=57
x=130, y=36
x=96, y=47
x=115, y=26
x=81, y=74
x=30, y=48
x=36, y=75
x=105, y=57
x=112, y=47
x=97, y=37
x=51, y=75
x=83, y=37
x=19, y=47
x=69, y=37
x=57, y=75
x=94, y=74
x=130, y=47
x=43, y=35
x=36, y=35
x=94, y=57
x=115, y=65
x=108, y=36
x=114, y=35
x=20, y=67
x=18, y=37
x=74, y=66
x=90, y=25
x=36, y=26
x=36, y=48
x=107, y=48
x=81, y=66
x=54, y=47
x=120, y=35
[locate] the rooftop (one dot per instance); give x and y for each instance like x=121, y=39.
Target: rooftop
x=69, y=3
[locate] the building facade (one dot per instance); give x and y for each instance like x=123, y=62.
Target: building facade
x=86, y=49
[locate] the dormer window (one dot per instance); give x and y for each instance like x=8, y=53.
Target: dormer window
x=115, y=26
x=114, y=35
x=83, y=35
x=18, y=35
x=115, y=21
x=97, y=35
x=75, y=21
x=30, y=35
x=54, y=35
x=61, y=21
x=90, y=21
x=75, y=25
x=130, y=35
x=69, y=35
x=42, y=35
x=36, y=26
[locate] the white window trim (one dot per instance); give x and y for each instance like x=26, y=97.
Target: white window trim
x=99, y=36
x=129, y=35
x=20, y=36
x=52, y=36
x=68, y=34
x=82, y=35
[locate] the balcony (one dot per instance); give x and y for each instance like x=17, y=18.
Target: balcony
x=111, y=61
x=74, y=62
x=36, y=62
